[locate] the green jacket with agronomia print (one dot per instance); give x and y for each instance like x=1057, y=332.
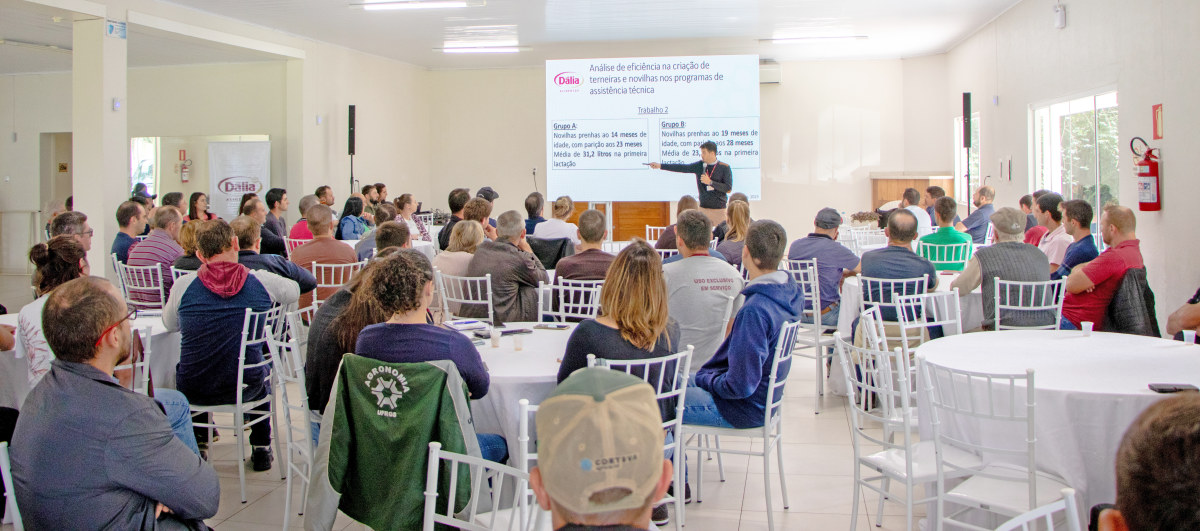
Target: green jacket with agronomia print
x=375, y=439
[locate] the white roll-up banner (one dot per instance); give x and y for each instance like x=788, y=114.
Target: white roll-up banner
x=236, y=168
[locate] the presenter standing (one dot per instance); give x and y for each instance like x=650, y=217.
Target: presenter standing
x=714, y=180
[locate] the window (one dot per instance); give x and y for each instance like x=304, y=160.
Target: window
x=966, y=159
x=143, y=160
x=1075, y=149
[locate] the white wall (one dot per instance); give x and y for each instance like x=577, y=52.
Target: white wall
x=1151, y=51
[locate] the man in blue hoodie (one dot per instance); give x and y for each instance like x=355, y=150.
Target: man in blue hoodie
x=730, y=390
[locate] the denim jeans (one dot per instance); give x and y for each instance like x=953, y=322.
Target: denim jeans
x=829, y=319
x=700, y=410
x=178, y=409
x=1066, y=324
x=493, y=447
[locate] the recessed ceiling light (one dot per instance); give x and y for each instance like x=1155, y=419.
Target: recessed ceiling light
x=417, y=4
x=810, y=40
x=485, y=49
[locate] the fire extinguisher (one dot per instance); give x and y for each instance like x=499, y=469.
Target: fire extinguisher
x=183, y=170
x=1149, y=196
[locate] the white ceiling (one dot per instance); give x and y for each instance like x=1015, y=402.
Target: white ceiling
x=560, y=29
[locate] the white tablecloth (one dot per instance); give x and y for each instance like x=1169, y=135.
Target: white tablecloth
x=425, y=247
x=164, y=355
x=971, y=305
x=531, y=373
x=1089, y=389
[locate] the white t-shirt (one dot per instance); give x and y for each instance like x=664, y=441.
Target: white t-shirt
x=31, y=342
x=699, y=289
x=1055, y=244
x=924, y=224
x=553, y=229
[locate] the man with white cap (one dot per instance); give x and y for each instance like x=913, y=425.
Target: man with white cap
x=600, y=453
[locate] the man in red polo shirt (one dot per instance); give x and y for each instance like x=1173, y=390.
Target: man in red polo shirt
x=1091, y=286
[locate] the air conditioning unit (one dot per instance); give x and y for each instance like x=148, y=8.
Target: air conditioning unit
x=769, y=71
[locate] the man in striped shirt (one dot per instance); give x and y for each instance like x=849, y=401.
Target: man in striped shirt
x=160, y=248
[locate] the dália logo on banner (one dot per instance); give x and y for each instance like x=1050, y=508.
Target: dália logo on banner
x=239, y=185
x=568, y=80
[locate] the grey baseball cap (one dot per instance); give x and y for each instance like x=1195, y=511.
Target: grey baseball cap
x=1009, y=221
x=828, y=218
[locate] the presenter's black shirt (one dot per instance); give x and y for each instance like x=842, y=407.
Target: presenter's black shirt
x=722, y=177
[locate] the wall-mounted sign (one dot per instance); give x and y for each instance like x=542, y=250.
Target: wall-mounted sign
x=114, y=29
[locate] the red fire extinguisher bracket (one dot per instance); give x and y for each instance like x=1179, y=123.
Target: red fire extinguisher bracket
x=1147, y=163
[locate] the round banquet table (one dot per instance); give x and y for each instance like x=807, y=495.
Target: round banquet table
x=1088, y=391
x=531, y=373
x=164, y=355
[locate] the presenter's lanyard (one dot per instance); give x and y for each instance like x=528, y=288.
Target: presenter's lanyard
x=712, y=169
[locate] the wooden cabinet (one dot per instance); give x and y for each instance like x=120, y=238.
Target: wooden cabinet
x=887, y=187
x=629, y=218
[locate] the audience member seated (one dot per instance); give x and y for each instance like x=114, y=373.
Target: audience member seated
x=383, y=193
x=352, y=225
x=737, y=219
x=458, y=200
x=1007, y=259
x=198, y=208
x=723, y=228
x=402, y=285
x=633, y=322
x=371, y=202
x=325, y=197
x=535, y=204
x=591, y=262
x=700, y=288
x=247, y=231
x=622, y=417
x=897, y=260
x=277, y=205
x=246, y=197
x=322, y=249
x=75, y=225
x=932, y=194
x=160, y=248
x=730, y=390
x=365, y=247
x=79, y=466
x=456, y=259
x=976, y=224
x=209, y=309
x=1056, y=240
x=667, y=239
x=173, y=199
x=132, y=220
x=556, y=228
x=834, y=262
x=300, y=229
x=149, y=208
x=57, y=262
x=406, y=207
x=1077, y=219
x=479, y=210
x=1034, y=233
x=392, y=234
x=1158, y=472
x=944, y=212
x=1187, y=317
x=187, y=241
x=1091, y=286
x=910, y=201
x=271, y=242
x=486, y=193
x=515, y=273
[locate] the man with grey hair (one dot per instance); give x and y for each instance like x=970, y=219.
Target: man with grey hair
x=300, y=229
x=1009, y=258
x=515, y=272
x=74, y=224
x=591, y=262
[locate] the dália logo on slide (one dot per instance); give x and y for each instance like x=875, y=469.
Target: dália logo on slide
x=238, y=184
x=568, y=80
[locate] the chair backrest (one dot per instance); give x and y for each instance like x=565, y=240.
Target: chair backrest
x=10, y=493
x=884, y=292
x=846, y=238
x=333, y=276
x=613, y=247
x=116, y=263
x=488, y=482
x=654, y=233
x=939, y=308
x=176, y=273
x=947, y=254
x=806, y=275
x=866, y=237
x=666, y=253
x=876, y=392
x=782, y=357
x=561, y=303
x=143, y=285
x=1034, y=300
x=140, y=383
x=258, y=329
x=990, y=237
x=713, y=243
x=426, y=219
x=288, y=361
x=465, y=290
x=527, y=456
x=293, y=244
x=989, y=401
x=874, y=333
x=1045, y=515
x=142, y=238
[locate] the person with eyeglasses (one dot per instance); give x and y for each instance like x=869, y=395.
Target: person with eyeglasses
x=75, y=225
x=118, y=466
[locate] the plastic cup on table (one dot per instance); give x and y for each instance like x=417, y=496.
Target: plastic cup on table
x=518, y=342
x=1087, y=328
x=1189, y=336
x=495, y=338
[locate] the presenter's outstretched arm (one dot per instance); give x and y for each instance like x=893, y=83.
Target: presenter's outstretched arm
x=655, y=165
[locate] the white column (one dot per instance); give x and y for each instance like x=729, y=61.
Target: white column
x=100, y=139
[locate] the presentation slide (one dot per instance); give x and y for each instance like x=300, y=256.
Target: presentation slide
x=607, y=119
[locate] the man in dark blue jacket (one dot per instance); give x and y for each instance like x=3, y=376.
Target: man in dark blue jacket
x=730, y=390
x=248, y=232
